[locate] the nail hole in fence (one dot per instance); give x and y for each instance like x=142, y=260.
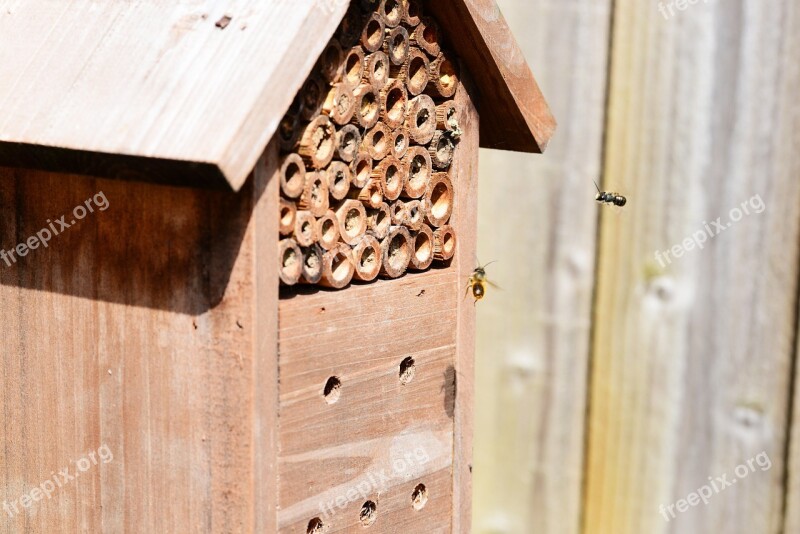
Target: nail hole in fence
x=332, y=390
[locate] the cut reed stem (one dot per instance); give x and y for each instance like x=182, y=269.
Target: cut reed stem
x=412, y=12
x=444, y=243
x=396, y=45
x=353, y=67
x=367, y=259
x=328, y=230
x=312, y=264
x=292, y=175
x=352, y=219
x=395, y=252
x=423, y=248
x=362, y=169
x=444, y=75
x=367, y=106
x=372, y=36
x=439, y=200
x=290, y=261
x=379, y=220
x=315, y=194
x=394, y=101
x=289, y=131
x=426, y=36
x=421, y=120
x=377, y=70
x=339, y=179
x=371, y=194
x=340, y=104
x=442, y=149
x=391, y=12
x=288, y=214
x=313, y=96
x=398, y=212
x=318, y=142
x=447, y=116
x=305, y=229
x=418, y=163
x=337, y=267
x=377, y=141
x=329, y=64
x=348, y=140
x=415, y=215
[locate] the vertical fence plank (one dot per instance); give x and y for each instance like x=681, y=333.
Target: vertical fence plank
x=538, y=220
x=692, y=354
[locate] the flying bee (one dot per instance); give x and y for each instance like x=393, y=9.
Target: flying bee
x=609, y=198
x=478, y=281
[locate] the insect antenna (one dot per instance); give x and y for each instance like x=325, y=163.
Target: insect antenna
x=598, y=187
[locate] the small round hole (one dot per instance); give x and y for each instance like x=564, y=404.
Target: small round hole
x=419, y=497
x=407, y=370
x=374, y=36
x=289, y=258
x=286, y=216
x=368, y=513
x=423, y=117
x=332, y=390
x=315, y=526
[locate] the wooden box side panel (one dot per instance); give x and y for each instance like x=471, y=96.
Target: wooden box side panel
x=131, y=338
x=382, y=438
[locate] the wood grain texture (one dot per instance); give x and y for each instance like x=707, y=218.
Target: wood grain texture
x=465, y=179
x=538, y=221
x=792, y=507
x=334, y=457
x=514, y=113
x=138, y=79
x=136, y=329
x=692, y=355
x=134, y=90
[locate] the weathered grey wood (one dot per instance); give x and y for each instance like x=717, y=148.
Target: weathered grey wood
x=691, y=368
x=538, y=221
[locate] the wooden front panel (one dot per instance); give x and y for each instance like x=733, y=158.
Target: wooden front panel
x=133, y=337
x=383, y=438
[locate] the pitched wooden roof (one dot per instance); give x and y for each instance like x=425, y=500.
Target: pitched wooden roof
x=145, y=87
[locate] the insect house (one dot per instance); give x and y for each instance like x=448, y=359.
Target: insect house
x=236, y=238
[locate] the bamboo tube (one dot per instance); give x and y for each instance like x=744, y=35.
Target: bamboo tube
x=412, y=12
x=290, y=261
x=315, y=194
x=415, y=215
x=444, y=75
x=394, y=101
x=318, y=143
x=391, y=12
x=396, y=45
x=313, y=96
x=395, y=252
x=337, y=267
x=372, y=36
x=348, y=140
x=340, y=104
x=312, y=264
x=353, y=67
x=350, y=28
x=447, y=116
x=376, y=72
x=423, y=248
x=377, y=141
x=442, y=149
x=362, y=169
x=352, y=219
x=371, y=194
x=390, y=173
x=329, y=64
x=305, y=229
x=288, y=214
x=400, y=142
x=367, y=259
x=292, y=175
x=379, y=220
x=444, y=243
x=421, y=120
x=368, y=106
x=399, y=213
x=439, y=199
x=328, y=230
x=416, y=73
x=418, y=163
x=288, y=131
x=339, y=179
x=426, y=36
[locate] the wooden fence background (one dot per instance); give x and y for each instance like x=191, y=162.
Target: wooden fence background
x=608, y=383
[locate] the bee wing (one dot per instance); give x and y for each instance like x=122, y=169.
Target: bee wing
x=493, y=285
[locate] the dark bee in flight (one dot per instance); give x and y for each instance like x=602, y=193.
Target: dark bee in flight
x=609, y=198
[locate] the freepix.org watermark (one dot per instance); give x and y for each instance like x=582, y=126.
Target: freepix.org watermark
x=54, y=228
x=717, y=485
x=668, y=8
x=58, y=480
x=376, y=481
x=710, y=230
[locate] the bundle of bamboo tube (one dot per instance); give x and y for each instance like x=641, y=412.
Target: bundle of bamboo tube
x=367, y=148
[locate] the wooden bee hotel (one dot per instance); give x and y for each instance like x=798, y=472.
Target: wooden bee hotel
x=235, y=242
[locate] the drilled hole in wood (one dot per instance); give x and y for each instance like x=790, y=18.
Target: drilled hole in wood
x=407, y=370
x=315, y=526
x=333, y=390
x=368, y=513
x=419, y=497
